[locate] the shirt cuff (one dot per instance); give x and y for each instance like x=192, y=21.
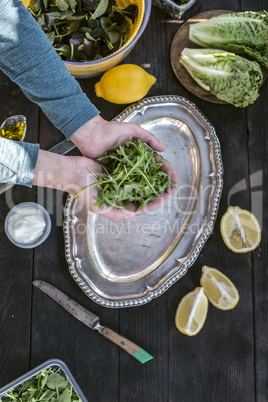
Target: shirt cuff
x=17, y=161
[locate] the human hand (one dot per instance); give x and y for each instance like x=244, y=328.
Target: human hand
x=72, y=174
x=98, y=136
x=90, y=191
x=86, y=172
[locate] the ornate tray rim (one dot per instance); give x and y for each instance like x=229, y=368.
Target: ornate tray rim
x=165, y=285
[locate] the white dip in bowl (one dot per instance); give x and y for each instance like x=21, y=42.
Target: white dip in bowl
x=27, y=225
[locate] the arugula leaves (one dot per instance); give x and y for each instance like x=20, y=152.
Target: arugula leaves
x=102, y=26
x=132, y=176
x=48, y=385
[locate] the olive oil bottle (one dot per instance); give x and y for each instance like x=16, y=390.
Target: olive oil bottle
x=14, y=128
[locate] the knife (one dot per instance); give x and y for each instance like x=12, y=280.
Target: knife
x=92, y=321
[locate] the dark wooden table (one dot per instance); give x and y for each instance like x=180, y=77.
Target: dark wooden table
x=227, y=360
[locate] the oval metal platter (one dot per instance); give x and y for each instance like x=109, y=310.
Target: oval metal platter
x=128, y=263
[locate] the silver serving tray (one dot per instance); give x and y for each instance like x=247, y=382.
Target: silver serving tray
x=123, y=264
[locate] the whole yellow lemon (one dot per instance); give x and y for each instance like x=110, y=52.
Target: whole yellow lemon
x=126, y=83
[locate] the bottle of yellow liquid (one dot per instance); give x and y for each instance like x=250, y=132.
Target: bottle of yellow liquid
x=14, y=128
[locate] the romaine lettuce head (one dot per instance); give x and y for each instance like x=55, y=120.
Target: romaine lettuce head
x=229, y=77
x=244, y=32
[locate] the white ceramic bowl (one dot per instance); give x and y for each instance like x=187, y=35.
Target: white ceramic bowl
x=46, y=230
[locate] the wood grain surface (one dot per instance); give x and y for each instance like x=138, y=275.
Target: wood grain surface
x=227, y=360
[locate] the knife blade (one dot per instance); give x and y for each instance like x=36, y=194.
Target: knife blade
x=92, y=321
x=63, y=147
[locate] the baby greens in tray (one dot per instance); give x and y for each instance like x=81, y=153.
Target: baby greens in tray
x=84, y=30
x=48, y=385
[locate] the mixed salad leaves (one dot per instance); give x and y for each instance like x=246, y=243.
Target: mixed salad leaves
x=84, y=30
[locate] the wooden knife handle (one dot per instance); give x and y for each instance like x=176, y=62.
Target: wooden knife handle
x=119, y=340
x=130, y=347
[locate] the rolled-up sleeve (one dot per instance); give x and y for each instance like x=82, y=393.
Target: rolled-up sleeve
x=29, y=59
x=17, y=161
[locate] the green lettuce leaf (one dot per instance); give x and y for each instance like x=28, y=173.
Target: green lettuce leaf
x=229, y=77
x=244, y=32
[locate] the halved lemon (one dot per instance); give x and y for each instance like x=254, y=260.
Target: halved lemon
x=240, y=230
x=220, y=290
x=192, y=311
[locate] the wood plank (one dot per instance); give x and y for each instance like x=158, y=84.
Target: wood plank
x=258, y=170
x=148, y=325
x=16, y=263
x=56, y=334
x=258, y=174
x=210, y=366
x=257, y=146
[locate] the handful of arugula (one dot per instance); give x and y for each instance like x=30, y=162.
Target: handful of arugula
x=132, y=176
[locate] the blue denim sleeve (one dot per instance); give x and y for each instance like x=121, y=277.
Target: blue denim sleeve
x=28, y=58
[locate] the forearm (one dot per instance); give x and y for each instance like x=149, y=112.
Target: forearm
x=54, y=171
x=64, y=173
x=73, y=174
x=28, y=58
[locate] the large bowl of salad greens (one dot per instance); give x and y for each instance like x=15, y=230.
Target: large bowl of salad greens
x=92, y=36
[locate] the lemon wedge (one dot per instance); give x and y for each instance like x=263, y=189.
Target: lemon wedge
x=240, y=230
x=220, y=290
x=126, y=83
x=192, y=311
